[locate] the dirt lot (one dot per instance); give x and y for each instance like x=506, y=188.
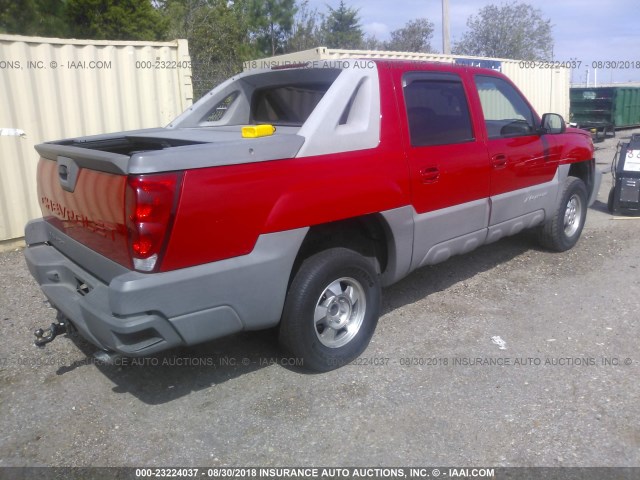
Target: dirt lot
x=432, y=388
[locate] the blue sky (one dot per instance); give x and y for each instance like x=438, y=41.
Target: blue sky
x=586, y=30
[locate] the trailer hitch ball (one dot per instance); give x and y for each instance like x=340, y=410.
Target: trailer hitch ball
x=45, y=336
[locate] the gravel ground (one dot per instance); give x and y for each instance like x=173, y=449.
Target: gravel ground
x=564, y=394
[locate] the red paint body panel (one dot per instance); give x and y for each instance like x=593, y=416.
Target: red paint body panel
x=574, y=145
x=223, y=210
x=462, y=169
x=93, y=214
x=526, y=163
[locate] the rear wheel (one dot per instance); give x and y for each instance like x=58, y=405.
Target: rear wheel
x=562, y=231
x=331, y=310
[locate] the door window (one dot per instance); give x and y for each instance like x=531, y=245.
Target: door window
x=437, y=109
x=506, y=114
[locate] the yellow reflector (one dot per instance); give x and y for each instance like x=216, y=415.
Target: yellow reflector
x=256, y=131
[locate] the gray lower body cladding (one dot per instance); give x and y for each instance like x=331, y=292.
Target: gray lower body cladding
x=139, y=314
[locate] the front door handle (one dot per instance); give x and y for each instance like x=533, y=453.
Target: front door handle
x=499, y=160
x=430, y=174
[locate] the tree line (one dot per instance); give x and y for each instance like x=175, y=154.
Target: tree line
x=224, y=33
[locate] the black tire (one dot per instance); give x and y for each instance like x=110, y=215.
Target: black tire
x=344, y=286
x=610, y=200
x=562, y=231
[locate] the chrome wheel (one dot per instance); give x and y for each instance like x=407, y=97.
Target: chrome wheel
x=572, y=215
x=561, y=231
x=339, y=312
x=332, y=309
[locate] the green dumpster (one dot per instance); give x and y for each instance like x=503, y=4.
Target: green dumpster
x=603, y=109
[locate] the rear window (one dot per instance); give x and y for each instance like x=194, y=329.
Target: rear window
x=286, y=104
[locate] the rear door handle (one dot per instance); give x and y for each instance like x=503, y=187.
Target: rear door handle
x=430, y=174
x=499, y=160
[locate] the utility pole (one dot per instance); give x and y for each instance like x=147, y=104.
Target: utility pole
x=446, y=44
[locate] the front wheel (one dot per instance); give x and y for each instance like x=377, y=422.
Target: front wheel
x=562, y=231
x=331, y=310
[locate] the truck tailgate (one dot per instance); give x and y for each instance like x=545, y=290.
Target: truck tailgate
x=85, y=204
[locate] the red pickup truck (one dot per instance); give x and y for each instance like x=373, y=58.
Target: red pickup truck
x=288, y=197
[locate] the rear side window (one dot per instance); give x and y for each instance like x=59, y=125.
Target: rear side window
x=506, y=113
x=437, y=109
x=286, y=104
x=218, y=112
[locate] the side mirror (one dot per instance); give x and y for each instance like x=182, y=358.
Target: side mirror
x=552, y=123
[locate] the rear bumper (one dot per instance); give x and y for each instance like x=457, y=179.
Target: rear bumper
x=139, y=314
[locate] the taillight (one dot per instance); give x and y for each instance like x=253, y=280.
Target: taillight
x=151, y=201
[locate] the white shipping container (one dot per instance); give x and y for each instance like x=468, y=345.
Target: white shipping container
x=54, y=88
x=546, y=88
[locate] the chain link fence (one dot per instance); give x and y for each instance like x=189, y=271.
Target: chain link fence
x=208, y=74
